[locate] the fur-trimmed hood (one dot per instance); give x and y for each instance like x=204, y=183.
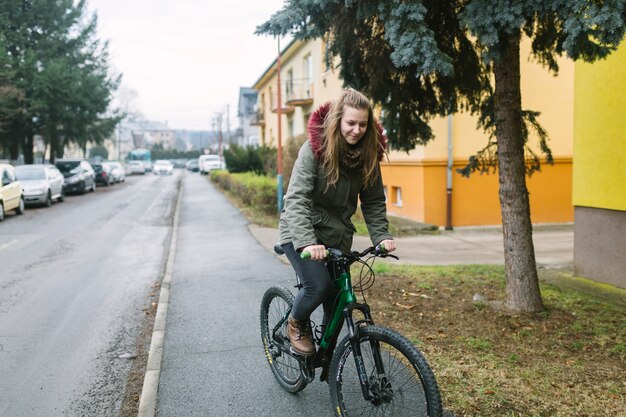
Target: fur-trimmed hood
x=315, y=129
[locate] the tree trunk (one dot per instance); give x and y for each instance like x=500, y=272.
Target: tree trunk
x=14, y=144
x=522, y=284
x=54, y=148
x=29, y=157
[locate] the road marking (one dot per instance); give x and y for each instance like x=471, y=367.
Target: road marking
x=8, y=244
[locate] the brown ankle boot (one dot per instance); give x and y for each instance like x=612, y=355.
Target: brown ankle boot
x=298, y=333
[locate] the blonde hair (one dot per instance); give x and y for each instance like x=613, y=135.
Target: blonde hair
x=334, y=143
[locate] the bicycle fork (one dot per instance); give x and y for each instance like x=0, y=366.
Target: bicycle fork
x=376, y=390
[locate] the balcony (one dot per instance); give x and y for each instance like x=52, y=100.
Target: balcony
x=257, y=118
x=299, y=92
x=285, y=107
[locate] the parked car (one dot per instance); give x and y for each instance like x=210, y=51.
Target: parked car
x=11, y=195
x=136, y=167
x=179, y=163
x=103, y=174
x=117, y=171
x=192, y=165
x=79, y=175
x=207, y=163
x=41, y=183
x=163, y=167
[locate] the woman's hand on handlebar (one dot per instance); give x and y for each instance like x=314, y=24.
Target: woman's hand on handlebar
x=389, y=245
x=318, y=252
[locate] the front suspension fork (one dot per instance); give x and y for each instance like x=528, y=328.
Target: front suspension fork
x=355, y=342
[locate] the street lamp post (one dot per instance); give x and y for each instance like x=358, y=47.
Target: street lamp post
x=279, y=112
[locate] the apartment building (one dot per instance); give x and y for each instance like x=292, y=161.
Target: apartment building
x=307, y=81
x=417, y=183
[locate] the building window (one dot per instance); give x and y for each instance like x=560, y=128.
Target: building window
x=308, y=70
x=396, y=196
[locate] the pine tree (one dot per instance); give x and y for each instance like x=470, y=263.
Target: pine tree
x=62, y=69
x=420, y=59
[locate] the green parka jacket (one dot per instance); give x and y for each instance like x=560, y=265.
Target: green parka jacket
x=314, y=215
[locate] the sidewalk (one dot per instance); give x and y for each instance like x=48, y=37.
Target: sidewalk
x=554, y=246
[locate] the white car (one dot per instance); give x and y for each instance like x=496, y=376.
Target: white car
x=207, y=163
x=117, y=171
x=163, y=167
x=11, y=196
x=136, y=167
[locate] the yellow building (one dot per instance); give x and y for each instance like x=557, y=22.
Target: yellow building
x=599, y=194
x=306, y=82
x=416, y=183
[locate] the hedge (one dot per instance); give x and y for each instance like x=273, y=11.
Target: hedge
x=256, y=191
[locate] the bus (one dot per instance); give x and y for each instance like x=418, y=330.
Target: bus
x=143, y=155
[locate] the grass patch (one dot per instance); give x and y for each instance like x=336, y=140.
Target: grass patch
x=567, y=361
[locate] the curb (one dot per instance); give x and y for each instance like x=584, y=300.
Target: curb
x=147, y=403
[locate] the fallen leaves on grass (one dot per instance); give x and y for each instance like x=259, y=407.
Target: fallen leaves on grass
x=568, y=361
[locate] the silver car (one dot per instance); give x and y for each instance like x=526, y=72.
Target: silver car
x=40, y=183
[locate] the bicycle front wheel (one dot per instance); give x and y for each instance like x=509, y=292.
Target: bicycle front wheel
x=275, y=307
x=401, y=382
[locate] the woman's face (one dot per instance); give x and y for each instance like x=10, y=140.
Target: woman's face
x=353, y=124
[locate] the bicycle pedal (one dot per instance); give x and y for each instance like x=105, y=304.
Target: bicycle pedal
x=294, y=353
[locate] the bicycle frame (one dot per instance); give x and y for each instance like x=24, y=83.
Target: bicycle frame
x=345, y=305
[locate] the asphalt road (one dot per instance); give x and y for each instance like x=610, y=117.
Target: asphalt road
x=213, y=362
x=74, y=279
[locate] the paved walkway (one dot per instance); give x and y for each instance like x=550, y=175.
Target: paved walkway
x=554, y=246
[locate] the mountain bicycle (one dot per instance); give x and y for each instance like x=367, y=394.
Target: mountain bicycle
x=373, y=370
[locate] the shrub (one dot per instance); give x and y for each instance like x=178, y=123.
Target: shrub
x=242, y=159
x=260, y=160
x=255, y=191
x=268, y=158
x=290, y=154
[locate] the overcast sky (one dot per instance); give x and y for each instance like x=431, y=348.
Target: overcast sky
x=186, y=59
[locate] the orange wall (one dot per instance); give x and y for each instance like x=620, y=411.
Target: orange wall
x=411, y=179
x=475, y=200
x=551, y=193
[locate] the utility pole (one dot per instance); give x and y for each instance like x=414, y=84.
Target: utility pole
x=219, y=133
x=214, y=124
x=279, y=112
x=119, y=139
x=228, y=123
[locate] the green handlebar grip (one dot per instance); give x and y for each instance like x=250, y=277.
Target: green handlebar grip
x=307, y=255
x=382, y=247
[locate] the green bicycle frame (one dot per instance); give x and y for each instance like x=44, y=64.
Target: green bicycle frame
x=346, y=296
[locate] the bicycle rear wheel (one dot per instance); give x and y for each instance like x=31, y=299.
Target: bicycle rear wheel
x=276, y=303
x=405, y=386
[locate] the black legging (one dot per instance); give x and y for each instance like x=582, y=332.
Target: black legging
x=317, y=286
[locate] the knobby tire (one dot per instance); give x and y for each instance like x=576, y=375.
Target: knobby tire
x=286, y=369
x=408, y=384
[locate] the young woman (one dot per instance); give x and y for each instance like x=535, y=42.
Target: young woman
x=335, y=168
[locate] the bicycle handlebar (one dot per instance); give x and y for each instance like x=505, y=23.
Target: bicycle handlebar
x=337, y=254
